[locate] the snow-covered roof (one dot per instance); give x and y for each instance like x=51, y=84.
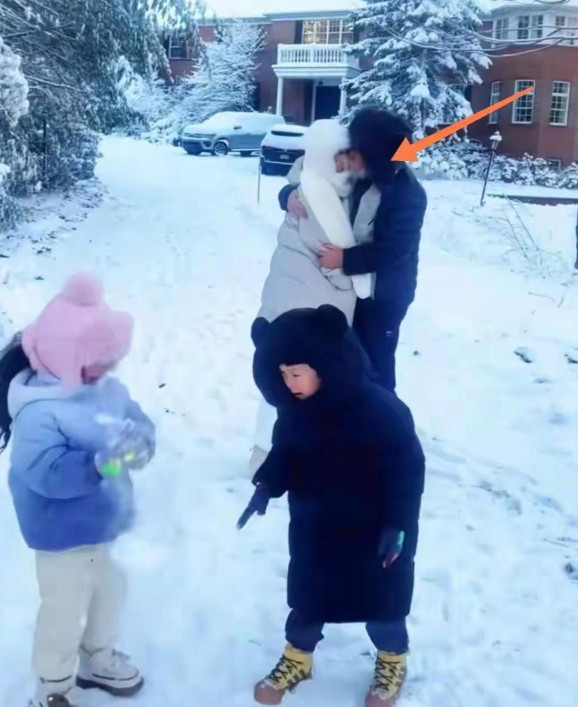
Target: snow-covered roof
x=260, y=8
x=495, y=5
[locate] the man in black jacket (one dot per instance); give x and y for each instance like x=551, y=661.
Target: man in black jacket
x=393, y=255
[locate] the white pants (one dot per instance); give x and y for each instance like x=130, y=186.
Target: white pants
x=82, y=592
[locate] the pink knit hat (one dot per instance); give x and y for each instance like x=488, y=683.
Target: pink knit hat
x=77, y=329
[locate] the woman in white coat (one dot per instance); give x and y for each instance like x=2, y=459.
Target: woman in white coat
x=296, y=279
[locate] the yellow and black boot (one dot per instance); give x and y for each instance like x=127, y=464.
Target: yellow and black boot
x=389, y=677
x=293, y=668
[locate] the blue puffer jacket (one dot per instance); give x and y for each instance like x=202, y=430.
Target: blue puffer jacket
x=61, y=500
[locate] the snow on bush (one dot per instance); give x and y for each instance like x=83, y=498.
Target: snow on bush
x=71, y=154
x=13, y=86
x=163, y=110
x=224, y=81
x=9, y=210
x=461, y=159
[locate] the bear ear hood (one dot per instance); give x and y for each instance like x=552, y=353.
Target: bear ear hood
x=259, y=330
x=332, y=320
x=320, y=338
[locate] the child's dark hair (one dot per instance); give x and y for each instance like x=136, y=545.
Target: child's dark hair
x=13, y=361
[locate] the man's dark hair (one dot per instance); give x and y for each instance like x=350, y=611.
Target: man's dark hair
x=376, y=134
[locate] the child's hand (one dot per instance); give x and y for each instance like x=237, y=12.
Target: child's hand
x=130, y=452
x=258, y=504
x=110, y=466
x=137, y=448
x=390, y=546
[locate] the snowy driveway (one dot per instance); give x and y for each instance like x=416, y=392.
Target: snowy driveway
x=181, y=242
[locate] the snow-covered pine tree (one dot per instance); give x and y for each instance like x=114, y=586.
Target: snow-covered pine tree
x=13, y=105
x=69, y=52
x=421, y=59
x=226, y=79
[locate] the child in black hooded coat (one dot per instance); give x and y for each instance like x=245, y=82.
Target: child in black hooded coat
x=347, y=453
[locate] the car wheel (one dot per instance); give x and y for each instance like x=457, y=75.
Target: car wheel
x=192, y=150
x=221, y=149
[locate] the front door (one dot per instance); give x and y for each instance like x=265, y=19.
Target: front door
x=327, y=102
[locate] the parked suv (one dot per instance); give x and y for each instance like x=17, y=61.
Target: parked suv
x=228, y=132
x=281, y=148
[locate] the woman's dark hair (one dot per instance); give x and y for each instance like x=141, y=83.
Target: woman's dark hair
x=13, y=361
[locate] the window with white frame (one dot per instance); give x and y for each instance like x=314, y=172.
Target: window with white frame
x=572, y=33
x=560, y=103
x=566, y=29
x=178, y=47
x=327, y=32
x=334, y=32
x=501, y=27
x=495, y=93
x=524, y=27
x=537, y=27
x=561, y=21
x=523, y=110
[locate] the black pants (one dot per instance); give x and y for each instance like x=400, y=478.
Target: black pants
x=379, y=342
x=303, y=634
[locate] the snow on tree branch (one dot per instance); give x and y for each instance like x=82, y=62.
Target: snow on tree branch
x=13, y=86
x=62, y=56
x=422, y=59
x=226, y=79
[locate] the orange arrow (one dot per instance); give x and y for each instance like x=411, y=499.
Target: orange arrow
x=407, y=152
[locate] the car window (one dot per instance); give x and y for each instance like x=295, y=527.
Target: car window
x=221, y=121
x=260, y=122
x=287, y=133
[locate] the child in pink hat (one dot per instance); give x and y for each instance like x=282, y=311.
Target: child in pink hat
x=76, y=436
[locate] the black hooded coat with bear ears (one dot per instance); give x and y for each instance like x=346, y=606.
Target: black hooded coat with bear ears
x=351, y=463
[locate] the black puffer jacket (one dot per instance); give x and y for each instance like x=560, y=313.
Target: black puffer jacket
x=352, y=464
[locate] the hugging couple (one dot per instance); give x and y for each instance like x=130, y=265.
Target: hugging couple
x=350, y=239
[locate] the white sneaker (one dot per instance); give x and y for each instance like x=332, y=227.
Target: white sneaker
x=108, y=670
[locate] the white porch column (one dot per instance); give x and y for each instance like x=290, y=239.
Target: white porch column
x=314, y=100
x=279, y=110
x=342, y=99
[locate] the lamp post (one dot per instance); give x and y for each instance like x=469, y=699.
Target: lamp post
x=495, y=141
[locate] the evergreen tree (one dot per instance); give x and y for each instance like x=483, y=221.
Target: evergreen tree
x=13, y=86
x=422, y=57
x=68, y=53
x=226, y=80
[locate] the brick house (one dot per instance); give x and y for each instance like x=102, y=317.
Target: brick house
x=545, y=123
x=303, y=64
x=301, y=67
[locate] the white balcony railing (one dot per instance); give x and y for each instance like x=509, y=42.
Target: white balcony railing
x=314, y=55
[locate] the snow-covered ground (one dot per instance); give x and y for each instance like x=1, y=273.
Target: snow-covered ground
x=488, y=363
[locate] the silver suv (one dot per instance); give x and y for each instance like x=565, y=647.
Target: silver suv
x=229, y=132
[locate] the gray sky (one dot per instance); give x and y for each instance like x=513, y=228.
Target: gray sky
x=245, y=8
